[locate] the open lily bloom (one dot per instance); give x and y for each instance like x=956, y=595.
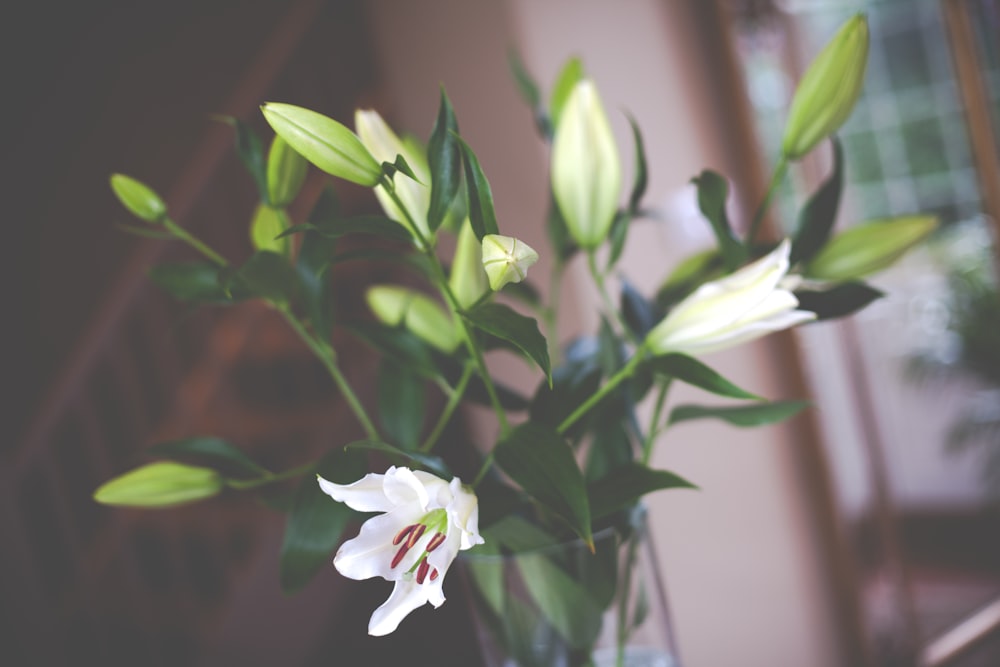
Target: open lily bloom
x=745, y=305
x=426, y=521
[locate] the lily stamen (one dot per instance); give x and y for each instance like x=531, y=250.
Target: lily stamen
x=422, y=571
x=435, y=542
x=418, y=531
x=401, y=535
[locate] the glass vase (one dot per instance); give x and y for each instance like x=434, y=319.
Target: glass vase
x=563, y=606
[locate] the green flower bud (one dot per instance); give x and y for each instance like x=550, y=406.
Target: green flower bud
x=286, y=171
x=869, y=247
x=138, y=198
x=267, y=224
x=324, y=142
x=586, y=171
x=384, y=145
x=828, y=90
x=425, y=318
x=506, y=260
x=161, y=484
x=468, y=279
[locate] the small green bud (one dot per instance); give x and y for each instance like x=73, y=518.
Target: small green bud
x=468, y=279
x=506, y=260
x=425, y=318
x=286, y=171
x=385, y=145
x=586, y=171
x=161, y=484
x=869, y=247
x=828, y=90
x=138, y=198
x=323, y=141
x=267, y=224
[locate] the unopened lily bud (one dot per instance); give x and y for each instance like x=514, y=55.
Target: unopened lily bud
x=286, y=171
x=323, y=141
x=586, y=171
x=828, y=90
x=160, y=484
x=268, y=222
x=138, y=198
x=425, y=318
x=506, y=260
x=385, y=145
x=468, y=279
x=869, y=248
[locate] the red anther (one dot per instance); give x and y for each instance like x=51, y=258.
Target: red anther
x=435, y=542
x=418, y=530
x=434, y=574
x=401, y=535
x=422, y=571
x=399, y=556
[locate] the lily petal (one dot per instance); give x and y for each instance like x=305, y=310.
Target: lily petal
x=370, y=553
x=364, y=495
x=406, y=596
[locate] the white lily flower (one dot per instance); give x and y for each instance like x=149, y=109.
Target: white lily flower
x=425, y=522
x=745, y=305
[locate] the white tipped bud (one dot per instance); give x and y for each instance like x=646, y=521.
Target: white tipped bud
x=506, y=259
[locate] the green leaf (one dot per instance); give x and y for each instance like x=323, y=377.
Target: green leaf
x=286, y=171
x=487, y=569
x=525, y=292
x=267, y=228
x=416, y=459
x=518, y=535
x=398, y=344
x=565, y=603
x=638, y=313
x=403, y=167
x=838, y=301
x=481, y=213
x=506, y=323
x=742, y=415
x=820, y=212
x=316, y=521
x=569, y=76
x=251, y=153
x=312, y=266
x=445, y=163
x=161, y=484
x=712, y=193
x=540, y=461
x=690, y=370
x=626, y=484
x=617, y=236
x=214, y=452
x=377, y=225
x=526, y=86
x=266, y=275
x=400, y=404
x=641, y=178
x=572, y=384
x=191, y=281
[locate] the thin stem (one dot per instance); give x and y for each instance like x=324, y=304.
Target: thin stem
x=776, y=178
x=270, y=478
x=661, y=399
x=183, y=235
x=487, y=462
x=613, y=313
x=550, y=313
x=609, y=386
x=326, y=354
x=454, y=399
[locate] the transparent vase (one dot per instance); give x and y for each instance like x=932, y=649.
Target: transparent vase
x=563, y=606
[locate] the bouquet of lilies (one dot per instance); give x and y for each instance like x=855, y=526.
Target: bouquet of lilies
x=571, y=459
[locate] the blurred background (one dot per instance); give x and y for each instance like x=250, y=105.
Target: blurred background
x=865, y=532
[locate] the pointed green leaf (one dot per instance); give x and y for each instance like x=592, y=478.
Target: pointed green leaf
x=415, y=459
x=445, y=163
x=569, y=76
x=838, y=301
x=398, y=344
x=506, y=323
x=481, y=212
x=316, y=521
x=312, y=266
x=251, y=153
x=191, y=281
x=161, y=484
x=626, y=484
x=820, y=212
x=565, y=603
x=213, y=452
x=400, y=404
x=377, y=225
x=266, y=275
x=540, y=461
x=690, y=370
x=712, y=193
x=757, y=414
x=641, y=179
x=525, y=84
x=617, y=236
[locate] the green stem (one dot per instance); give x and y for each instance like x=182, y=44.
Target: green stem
x=626, y=372
x=326, y=354
x=623, y=602
x=453, y=400
x=661, y=399
x=776, y=178
x=550, y=313
x=182, y=234
x=609, y=305
x=487, y=462
x=245, y=484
